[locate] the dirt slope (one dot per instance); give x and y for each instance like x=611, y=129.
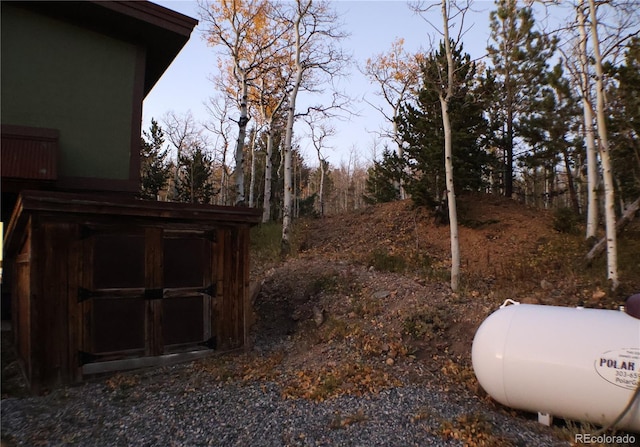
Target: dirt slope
x=370, y=288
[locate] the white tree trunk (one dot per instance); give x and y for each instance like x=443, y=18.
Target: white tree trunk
x=242, y=133
x=268, y=168
x=592, y=157
x=321, y=192
x=252, y=184
x=451, y=197
x=448, y=157
x=288, y=138
x=288, y=168
x=222, y=196
x=607, y=174
x=398, y=139
x=627, y=217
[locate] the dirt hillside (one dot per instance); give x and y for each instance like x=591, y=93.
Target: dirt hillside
x=366, y=303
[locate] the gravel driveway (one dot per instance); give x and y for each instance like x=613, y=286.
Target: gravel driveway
x=181, y=406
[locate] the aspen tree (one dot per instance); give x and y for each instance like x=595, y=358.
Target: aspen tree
x=589, y=131
x=445, y=96
x=271, y=97
x=605, y=157
x=446, y=86
x=320, y=132
x=396, y=72
x=315, y=34
x=243, y=28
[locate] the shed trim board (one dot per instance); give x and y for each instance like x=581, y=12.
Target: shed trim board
x=109, y=283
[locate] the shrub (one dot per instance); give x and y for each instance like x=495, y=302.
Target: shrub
x=565, y=220
x=383, y=261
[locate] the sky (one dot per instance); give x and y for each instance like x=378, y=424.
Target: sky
x=372, y=25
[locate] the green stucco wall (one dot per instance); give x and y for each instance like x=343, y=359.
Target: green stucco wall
x=57, y=75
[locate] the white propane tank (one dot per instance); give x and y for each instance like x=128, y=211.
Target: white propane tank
x=575, y=363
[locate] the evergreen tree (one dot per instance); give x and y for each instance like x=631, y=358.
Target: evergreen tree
x=194, y=179
x=154, y=169
x=624, y=122
x=519, y=64
x=491, y=94
x=547, y=128
x=384, y=178
x=420, y=125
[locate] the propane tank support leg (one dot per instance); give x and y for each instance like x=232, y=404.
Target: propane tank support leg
x=545, y=419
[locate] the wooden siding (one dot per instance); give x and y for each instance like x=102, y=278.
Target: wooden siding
x=96, y=291
x=29, y=153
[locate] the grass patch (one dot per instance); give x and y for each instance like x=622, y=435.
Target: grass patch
x=427, y=323
x=335, y=329
x=265, y=241
x=383, y=261
x=477, y=224
x=566, y=220
x=345, y=379
x=333, y=282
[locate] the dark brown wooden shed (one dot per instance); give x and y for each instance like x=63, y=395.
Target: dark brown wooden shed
x=105, y=284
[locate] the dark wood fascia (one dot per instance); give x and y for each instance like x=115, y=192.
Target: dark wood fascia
x=154, y=14
x=72, y=203
x=118, y=210
x=94, y=208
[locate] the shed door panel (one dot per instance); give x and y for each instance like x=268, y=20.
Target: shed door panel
x=118, y=324
x=183, y=320
x=184, y=261
x=118, y=261
x=187, y=266
x=125, y=318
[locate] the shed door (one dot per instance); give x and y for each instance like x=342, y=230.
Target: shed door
x=146, y=294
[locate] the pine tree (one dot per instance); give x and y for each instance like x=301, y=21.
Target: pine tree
x=194, y=179
x=490, y=93
x=548, y=129
x=519, y=60
x=154, y=169
x=383, y=178
x=421, y=127
x=624, y=123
